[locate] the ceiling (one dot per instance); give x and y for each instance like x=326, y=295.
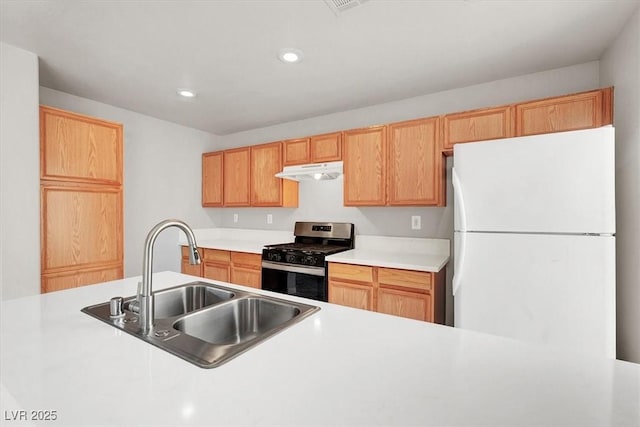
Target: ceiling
x=135, y=54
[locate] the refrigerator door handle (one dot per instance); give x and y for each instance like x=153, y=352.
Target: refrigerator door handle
x=458, y=262
x=460, y=220
x=460, y=226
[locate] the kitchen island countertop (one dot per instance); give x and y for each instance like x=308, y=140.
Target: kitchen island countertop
x=340, y=366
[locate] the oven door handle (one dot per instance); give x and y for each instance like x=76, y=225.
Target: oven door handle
x=314, y=271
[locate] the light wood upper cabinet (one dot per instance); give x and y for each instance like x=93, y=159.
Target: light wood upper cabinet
x=316, y=149
x=365, y=165
x=212, y=179
x=564, y=113
x=236, y=180
x=79, y=148
x=477, y=125
x=326, y=148
x=266, y=189
x=415, y=163
x=296, y=152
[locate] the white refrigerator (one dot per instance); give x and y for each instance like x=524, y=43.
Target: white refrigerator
x=534, y=239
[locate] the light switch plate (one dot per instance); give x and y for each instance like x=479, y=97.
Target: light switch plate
x=415, y=222
x=269, y=219
x=235, y=217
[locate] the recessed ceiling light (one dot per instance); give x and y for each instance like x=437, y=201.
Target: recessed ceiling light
x=187, y=93
x=290, y=55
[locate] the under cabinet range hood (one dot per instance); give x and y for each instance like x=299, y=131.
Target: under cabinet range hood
x=314, y=171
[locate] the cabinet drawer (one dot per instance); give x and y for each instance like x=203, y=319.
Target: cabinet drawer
x=248, y=260
x=350, y=272
x=215, y=255
x=418, y=280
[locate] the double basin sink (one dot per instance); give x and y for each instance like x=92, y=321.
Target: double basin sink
x=208, y=324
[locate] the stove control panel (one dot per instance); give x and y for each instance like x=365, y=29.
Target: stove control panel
x=293, y=257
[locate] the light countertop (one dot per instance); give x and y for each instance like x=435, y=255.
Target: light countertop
x=237, y=239
x=397, y=252
x=340, y=366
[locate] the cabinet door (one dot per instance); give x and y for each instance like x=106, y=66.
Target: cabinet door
x=81, y=227
x=246, y=269
x=564, y=113
x=192, y=270
x=79, y=148
x=415, y=163
x=364, y=153
x=216, y=271
x=404, y=303
x=326, y=148
x=246, y=276
x=266, y=161
x=351, y=294
x=477, y=125
x=296, y=151
x=212, y=178
x=237, y=177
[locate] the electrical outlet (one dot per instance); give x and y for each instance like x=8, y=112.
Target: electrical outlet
x=235, y=217
x=269, y=219
x=415, y=222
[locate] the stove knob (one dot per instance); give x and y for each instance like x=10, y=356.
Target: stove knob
x=291, y=258
x=275, y=257
x=310, y=260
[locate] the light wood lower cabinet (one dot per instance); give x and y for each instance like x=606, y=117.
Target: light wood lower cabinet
x=405, y=304
x=186, y=268
x=356, y=295
x=414, y=294
x=240, y=268
x=246, y=269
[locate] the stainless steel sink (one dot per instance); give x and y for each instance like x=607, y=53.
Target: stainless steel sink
x=237, y=321
x=188, y=298
x=208, y=324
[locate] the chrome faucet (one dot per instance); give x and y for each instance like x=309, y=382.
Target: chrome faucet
x=144, y=299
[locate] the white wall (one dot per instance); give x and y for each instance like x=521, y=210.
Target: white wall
x=19, y=173
x=620, y=67
x=162, y=177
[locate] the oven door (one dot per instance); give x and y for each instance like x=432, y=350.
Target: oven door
x=298, y=280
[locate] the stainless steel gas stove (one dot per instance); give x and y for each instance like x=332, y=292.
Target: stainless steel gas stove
x=299, y=268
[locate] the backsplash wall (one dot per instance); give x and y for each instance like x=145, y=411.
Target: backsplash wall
x=322, y=201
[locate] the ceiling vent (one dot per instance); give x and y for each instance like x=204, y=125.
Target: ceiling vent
x=339, y=6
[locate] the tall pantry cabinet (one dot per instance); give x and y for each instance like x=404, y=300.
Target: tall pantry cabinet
x=81, y=225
